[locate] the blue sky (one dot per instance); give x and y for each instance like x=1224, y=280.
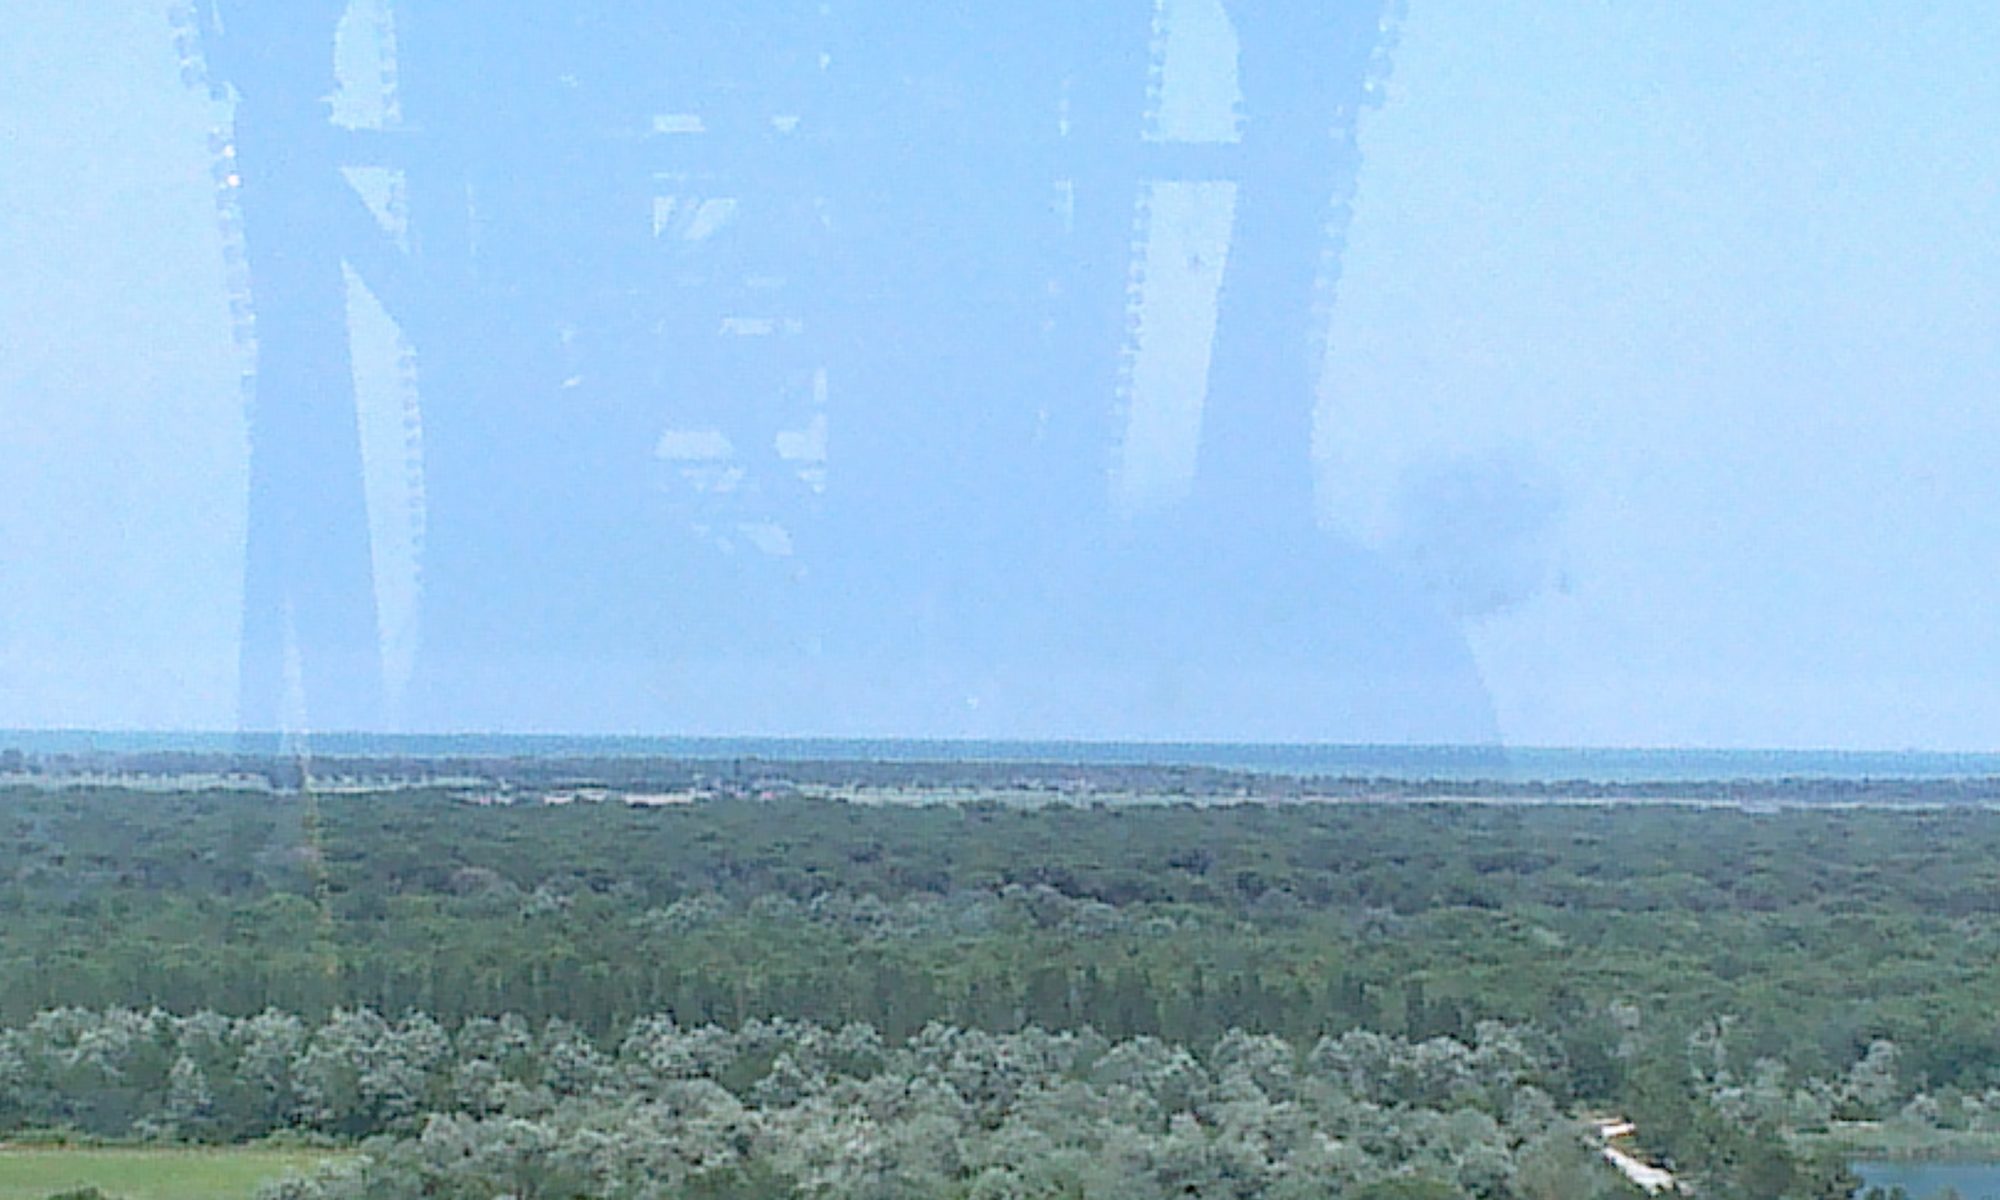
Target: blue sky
x=1663, y=361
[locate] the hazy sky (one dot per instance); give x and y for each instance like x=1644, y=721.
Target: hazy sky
x=1664, y=353
x=1730, y=275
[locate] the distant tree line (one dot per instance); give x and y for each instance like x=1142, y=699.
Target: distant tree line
x=748, y=775
x=1820, y=932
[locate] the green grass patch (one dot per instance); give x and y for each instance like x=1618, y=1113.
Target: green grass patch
x=1903, y=1143
x=125, y=1174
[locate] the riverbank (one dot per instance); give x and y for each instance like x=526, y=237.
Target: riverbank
x=1886, y=1142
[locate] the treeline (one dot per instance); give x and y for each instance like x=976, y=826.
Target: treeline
x=290, y=771
x=503, y=1107
x=1820, y=933
x=287, y=771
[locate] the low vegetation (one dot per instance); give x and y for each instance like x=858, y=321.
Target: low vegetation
x=127, y=1173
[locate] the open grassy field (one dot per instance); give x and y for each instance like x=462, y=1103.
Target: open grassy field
x=129, y=1174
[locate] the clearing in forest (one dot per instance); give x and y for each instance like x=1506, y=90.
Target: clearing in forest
x=137, y=1174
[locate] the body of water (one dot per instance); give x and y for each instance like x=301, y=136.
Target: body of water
x=1927, y=1181
x=1525, y=764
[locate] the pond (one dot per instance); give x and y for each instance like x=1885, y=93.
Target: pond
x=1926, y=1180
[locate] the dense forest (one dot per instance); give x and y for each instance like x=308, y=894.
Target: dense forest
x=500, y=1107
x=1738, y=983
